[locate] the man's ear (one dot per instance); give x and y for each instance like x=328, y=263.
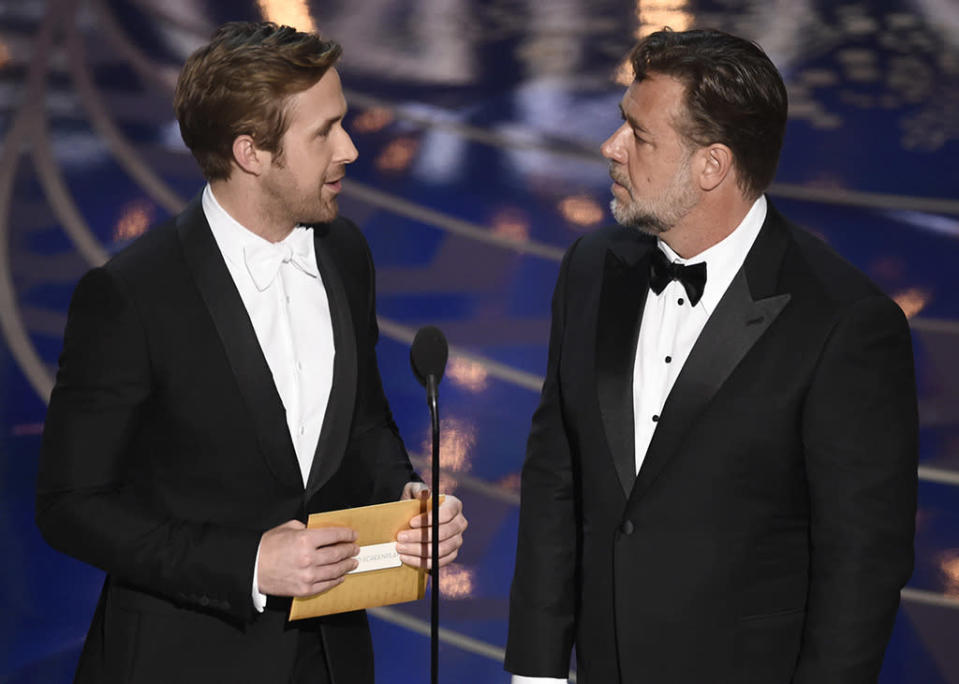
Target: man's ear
x=716, y=164
x=247, y=156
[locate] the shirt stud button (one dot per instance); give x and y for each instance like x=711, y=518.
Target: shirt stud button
x=669, y=359
x=627, y=527
x=655, y=419
x=682, y=301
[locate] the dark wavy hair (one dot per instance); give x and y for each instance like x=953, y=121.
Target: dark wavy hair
x=239, y=84
x=733, y=95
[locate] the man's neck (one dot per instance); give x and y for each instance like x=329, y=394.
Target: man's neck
x=242, y=205
x=708, y=223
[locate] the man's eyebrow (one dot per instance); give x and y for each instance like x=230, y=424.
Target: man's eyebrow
x=632, y=122
x=327, y=124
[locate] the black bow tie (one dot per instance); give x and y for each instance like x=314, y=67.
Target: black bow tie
x=662, y=272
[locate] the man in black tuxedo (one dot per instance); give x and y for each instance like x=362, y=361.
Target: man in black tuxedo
x=720, y=481
x=219, y=382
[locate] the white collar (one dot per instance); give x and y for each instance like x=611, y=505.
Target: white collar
x=726, y=257
x=232, y=236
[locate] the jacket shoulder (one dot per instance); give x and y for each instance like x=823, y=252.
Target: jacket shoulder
x=348, y=247
x=833, y=274
x=589, y=252
x=343, y=233
x=149, y=255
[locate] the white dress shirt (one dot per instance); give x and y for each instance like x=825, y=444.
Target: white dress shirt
x=670, y=328
x=286, y=300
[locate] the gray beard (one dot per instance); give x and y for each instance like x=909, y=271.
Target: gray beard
x=631, y=218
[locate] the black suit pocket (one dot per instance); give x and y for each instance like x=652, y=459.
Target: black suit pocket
x=769, y=646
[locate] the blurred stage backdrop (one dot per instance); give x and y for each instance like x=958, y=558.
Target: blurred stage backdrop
x=478, y=124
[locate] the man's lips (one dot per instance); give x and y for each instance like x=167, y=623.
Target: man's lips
x=335, y=185
x=617, y=182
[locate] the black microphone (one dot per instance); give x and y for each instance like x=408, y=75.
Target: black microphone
x=428, y=356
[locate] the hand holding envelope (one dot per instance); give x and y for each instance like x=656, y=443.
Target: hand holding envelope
x=296, y=561
x=393, y=541
x=414, y=544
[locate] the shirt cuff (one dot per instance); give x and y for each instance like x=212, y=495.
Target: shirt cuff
x=522, y=679
x=259, y=599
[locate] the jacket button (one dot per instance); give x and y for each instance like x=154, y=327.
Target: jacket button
x=627, y=527
x=204, y=601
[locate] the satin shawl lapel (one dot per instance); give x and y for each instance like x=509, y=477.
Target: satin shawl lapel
x=745, y=312
x=622, y=299
x=339, y=409
x=239, y=341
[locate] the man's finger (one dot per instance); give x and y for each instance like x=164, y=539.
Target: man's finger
x=314, y=588
x=427, y=563
x=448, y=511
x=423, y=550
x=448, y=529
x=329, y=555
x=325, y=536
x=331, y=571
x=415, y=490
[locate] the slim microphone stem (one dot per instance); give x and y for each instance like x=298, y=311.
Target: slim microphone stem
x=432, y=396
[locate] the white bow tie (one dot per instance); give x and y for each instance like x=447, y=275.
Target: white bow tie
x=263, y=259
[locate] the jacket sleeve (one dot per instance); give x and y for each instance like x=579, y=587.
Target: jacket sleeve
x=860, y=434
x=375, y=437
x=542, y=618
x=85, y=504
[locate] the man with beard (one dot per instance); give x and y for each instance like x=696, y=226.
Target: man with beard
x=720, y=480
x=219, y=383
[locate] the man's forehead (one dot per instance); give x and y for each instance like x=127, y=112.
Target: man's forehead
x=323, y=99
x=655, y=96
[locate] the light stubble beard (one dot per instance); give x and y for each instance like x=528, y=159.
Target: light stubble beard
x=290, y=207
x=655, y=216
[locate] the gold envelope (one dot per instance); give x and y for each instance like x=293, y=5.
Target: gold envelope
x=374, y=525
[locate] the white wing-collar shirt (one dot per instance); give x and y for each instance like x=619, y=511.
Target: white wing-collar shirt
x=285, y=297
x=670, y=328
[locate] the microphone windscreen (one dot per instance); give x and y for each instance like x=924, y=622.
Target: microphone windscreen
x=428, y=354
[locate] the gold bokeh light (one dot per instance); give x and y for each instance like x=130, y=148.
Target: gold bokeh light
x=457, y=438
x=512, y=224
x=456, y=582
x=949, y=567
x=581, y=210
x=656, y=15
x=624, y=73
x=913, y=300
x=372, y=120
x=398, y=155
x=134, y=220
x=468, y=374
x=293, y=13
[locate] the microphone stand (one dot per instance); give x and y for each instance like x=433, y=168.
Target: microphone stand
x=432, y=395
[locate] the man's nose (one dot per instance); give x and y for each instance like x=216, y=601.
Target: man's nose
x=612, y=148
x=347, y=150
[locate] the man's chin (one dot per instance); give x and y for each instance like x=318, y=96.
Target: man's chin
x=323, y=214
x=628, y=217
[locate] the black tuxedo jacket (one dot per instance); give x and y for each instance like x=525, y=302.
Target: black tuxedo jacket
x=166, y=455
x=770, y=527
